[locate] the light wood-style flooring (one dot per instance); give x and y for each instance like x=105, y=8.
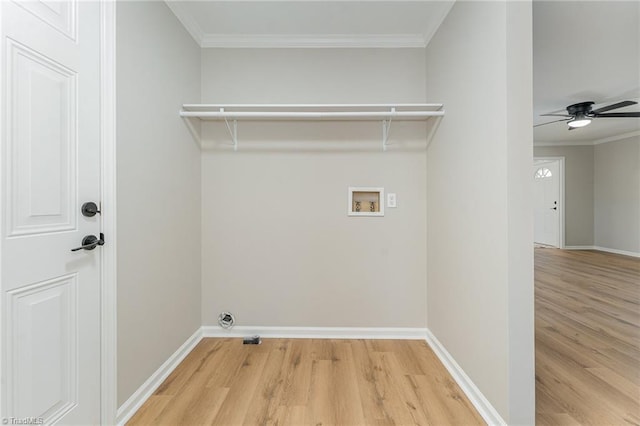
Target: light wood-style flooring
x=309, y=382
x=587, y=338
x=587, y=365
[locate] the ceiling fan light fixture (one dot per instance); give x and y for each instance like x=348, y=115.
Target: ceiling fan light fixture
x=579, y=121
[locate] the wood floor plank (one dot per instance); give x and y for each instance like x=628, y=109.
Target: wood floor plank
x=447, y=405
x=302, y=382
x=263, y=408
x=563, y=419
x=296, y=385
x=151, y=409
x=319, y=409
x=203, y=352
x=587, y=306
x=197, y=405
x=388, y=387
x=622, y=383
x=372, y=400
x=241, y=389
x=346, y=402
x=296, y=415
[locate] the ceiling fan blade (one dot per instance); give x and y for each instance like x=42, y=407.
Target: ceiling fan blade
x=613, y=106
x=619, y=114
x=555, y=115
x=555, y=121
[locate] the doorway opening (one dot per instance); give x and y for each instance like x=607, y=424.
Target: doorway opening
x=548, y=177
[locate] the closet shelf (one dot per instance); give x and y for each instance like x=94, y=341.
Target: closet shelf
x=353, y=112
x=386, y=113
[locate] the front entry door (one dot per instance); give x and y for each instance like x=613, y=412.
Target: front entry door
x=547, y=203
x=50, y=130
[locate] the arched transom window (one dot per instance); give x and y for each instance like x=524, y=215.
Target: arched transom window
x=542, y=173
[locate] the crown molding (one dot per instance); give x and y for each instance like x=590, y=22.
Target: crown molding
x=592, y=142
x=280, y=41
x=439, y=20
x=186, y=20
x=266, y=41
x=292, y=41
x=311, y=1
x=563, y=143
x=616, y=137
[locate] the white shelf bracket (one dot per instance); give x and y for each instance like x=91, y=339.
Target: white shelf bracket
x=195, y=133
x=233, y=132
x=195, y=114
x=386, y=129
x=434, y=127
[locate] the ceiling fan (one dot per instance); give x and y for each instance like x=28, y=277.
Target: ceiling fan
x=581, y=114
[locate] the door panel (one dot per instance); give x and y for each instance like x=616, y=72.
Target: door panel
x=547, y=203
x=44, y=315
x=50, y=167
x=42, y=143
x=60, y=15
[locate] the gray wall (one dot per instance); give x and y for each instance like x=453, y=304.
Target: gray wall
x=158, y=167
x=579, y=200
x=479, y=217
x=278, y=246
x=312, y=75
x=602, y=193
x=617, y=195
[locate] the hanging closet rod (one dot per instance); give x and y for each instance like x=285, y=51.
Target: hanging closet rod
x=373, y=115
x=312, y=111
x=202, y=107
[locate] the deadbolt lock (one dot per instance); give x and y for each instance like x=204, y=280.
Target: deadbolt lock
x=90, y=209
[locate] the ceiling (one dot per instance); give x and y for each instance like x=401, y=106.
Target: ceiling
x=311, y=23
x=583, y=50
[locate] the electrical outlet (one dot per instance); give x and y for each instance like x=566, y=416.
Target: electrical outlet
x=391, y=200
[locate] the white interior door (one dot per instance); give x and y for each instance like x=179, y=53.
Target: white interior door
x=547, y=207
x=50, y=67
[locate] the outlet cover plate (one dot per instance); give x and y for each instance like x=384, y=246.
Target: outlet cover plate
x=391, y=200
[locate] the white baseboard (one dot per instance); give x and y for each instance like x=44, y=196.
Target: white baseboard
x=484, y=407
x=605, y=249
x=318, y=332
x=616, y=251
x=129, y=408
